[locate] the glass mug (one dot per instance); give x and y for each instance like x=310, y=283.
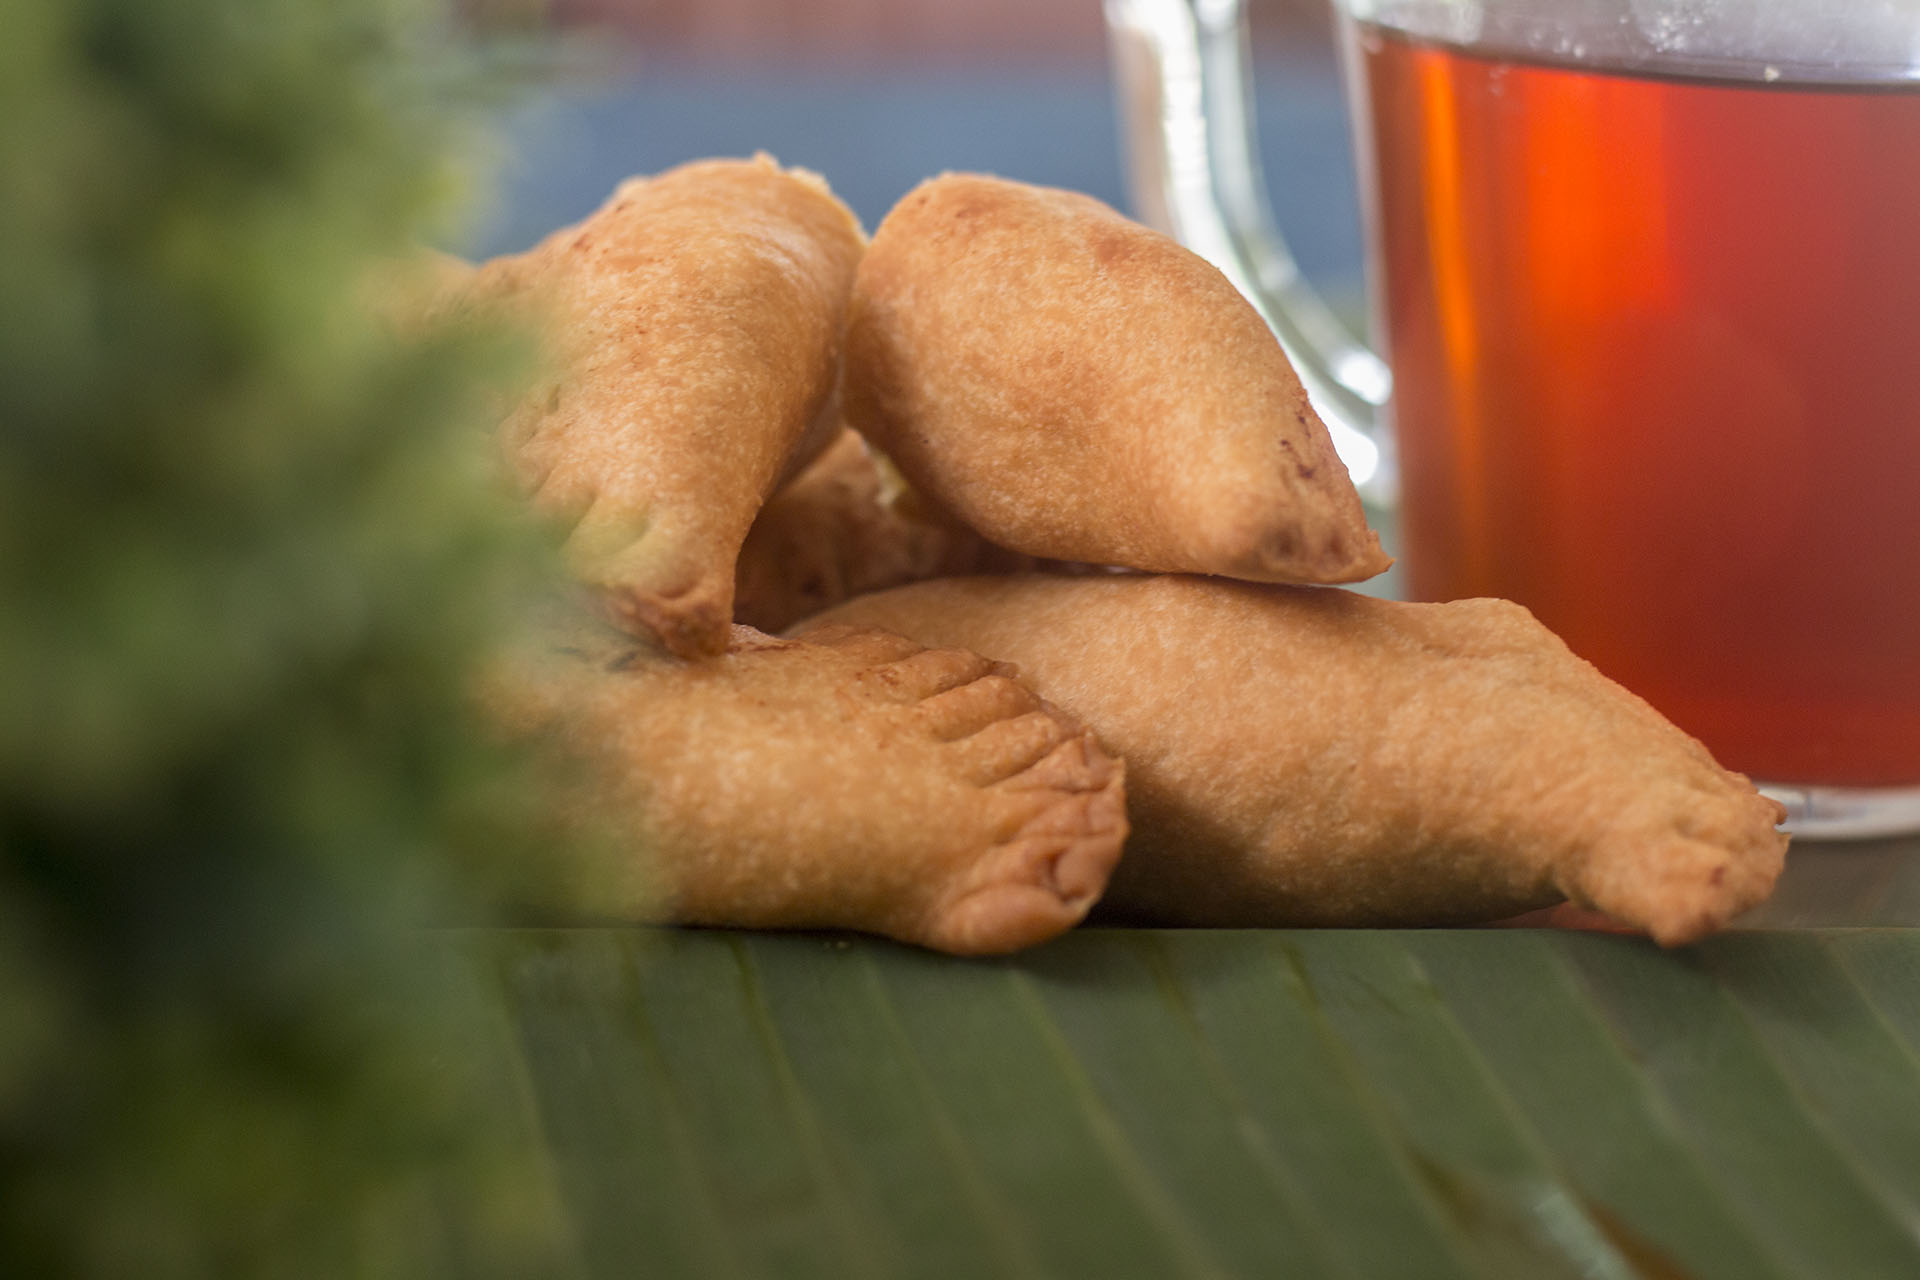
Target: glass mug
x=1648, y=276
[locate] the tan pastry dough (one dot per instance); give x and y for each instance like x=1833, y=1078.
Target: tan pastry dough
x=697, y=320
x=1078, y=387
x=1309, y=756
x=853, y=781
x=837, y=531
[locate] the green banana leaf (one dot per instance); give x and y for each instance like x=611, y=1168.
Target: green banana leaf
x=1465, y=1103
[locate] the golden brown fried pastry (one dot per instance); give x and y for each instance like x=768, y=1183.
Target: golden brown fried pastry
x=697, y=318
x=836, y=531
x=1309, y=756
x=854, y=781
x=1078, y=387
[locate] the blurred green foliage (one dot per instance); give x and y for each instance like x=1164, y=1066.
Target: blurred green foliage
x=250, y=546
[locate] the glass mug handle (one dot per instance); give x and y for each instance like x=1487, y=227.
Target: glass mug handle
x=1182, y=72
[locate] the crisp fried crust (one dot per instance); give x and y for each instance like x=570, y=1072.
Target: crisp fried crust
x=854, y=781
x=837, y=531
x=1078, y=387
x=697, y=319
x=1309, y=756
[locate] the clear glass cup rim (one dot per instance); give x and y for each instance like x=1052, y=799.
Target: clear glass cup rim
x=1818, y=41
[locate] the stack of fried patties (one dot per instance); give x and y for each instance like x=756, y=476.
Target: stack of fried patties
x=1046, y=521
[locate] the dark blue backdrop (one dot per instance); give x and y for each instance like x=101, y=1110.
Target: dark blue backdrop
x=874, y=137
